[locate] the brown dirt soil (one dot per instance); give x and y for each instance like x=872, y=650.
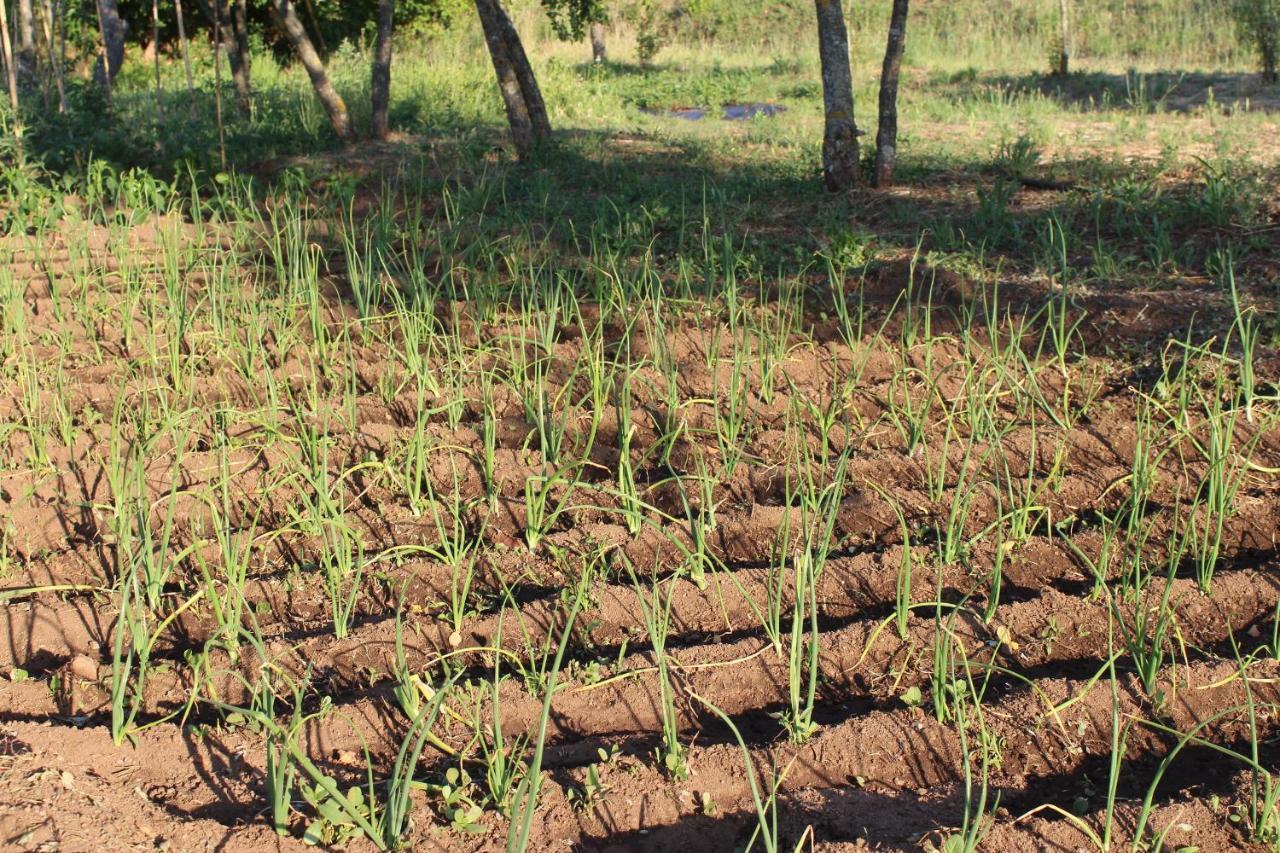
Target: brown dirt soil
x=880, y=769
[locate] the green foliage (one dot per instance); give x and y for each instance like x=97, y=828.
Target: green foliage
x=655, y=27
x=353, y=20
x=1258, y=23
x=704, y=20
x=334, y=21
x=570, y=18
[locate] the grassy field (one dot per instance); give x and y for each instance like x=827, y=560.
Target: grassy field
x=643, y=495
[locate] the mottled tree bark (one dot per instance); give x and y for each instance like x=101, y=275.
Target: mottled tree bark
x=526, y=111
x=381, y=82
x=887, y=131
x=112, y=30
x=518, y=118
x=287, y=19
x=840, y=135
x=26, y=51
x=1063, y=66
x=524, y=72
x=599, y=51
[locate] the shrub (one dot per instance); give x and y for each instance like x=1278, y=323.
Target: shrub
x=1258, y=22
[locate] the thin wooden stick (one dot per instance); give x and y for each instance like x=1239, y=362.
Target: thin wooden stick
x=186, y=52
x=155, y=50
x=61, y=31
x=217, y=82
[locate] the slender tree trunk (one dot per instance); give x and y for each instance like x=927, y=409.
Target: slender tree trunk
x=241, y=60
x=12, y=75
x=155, y=56
x=315, y=27
x=186, y=51
x=234, y=41
x=840, y=136
x=287, y=19
x=112, y=28
x=155, y=51
x=100, y=76
x=526, y=111
x=10, y=69
x=599, y=52
x=44, y=79
x=887, y=132
x=1063, y=66
x=381, y=82
x=26, y=50
x=55, y=58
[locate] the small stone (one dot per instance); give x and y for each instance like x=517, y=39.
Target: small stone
x=84, y=668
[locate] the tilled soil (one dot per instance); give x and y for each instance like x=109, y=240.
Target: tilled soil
x=881, y=768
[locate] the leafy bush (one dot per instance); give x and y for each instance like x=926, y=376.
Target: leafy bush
x=1258, y=22
x=569, y=18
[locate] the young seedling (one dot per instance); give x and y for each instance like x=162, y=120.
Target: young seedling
x=655, y=607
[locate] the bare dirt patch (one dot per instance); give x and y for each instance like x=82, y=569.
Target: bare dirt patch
x=269, y=446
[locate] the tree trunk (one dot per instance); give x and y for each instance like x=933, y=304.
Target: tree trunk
x=155, y=56
x=186, y=53
x=887, y=132
x=381, y=82
x=526, y=112
x=26, y=50
x=240, y=60
x=235, y=43
x=55, y=60
x=315, y=27
x=840, y=137
x=112, y=30
x=1063, y=65
x=599, y=53
x=10, y=69
x=287, y=19
x=524, y=72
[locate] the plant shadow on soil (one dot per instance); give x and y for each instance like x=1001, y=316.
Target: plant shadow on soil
x=873, y=814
